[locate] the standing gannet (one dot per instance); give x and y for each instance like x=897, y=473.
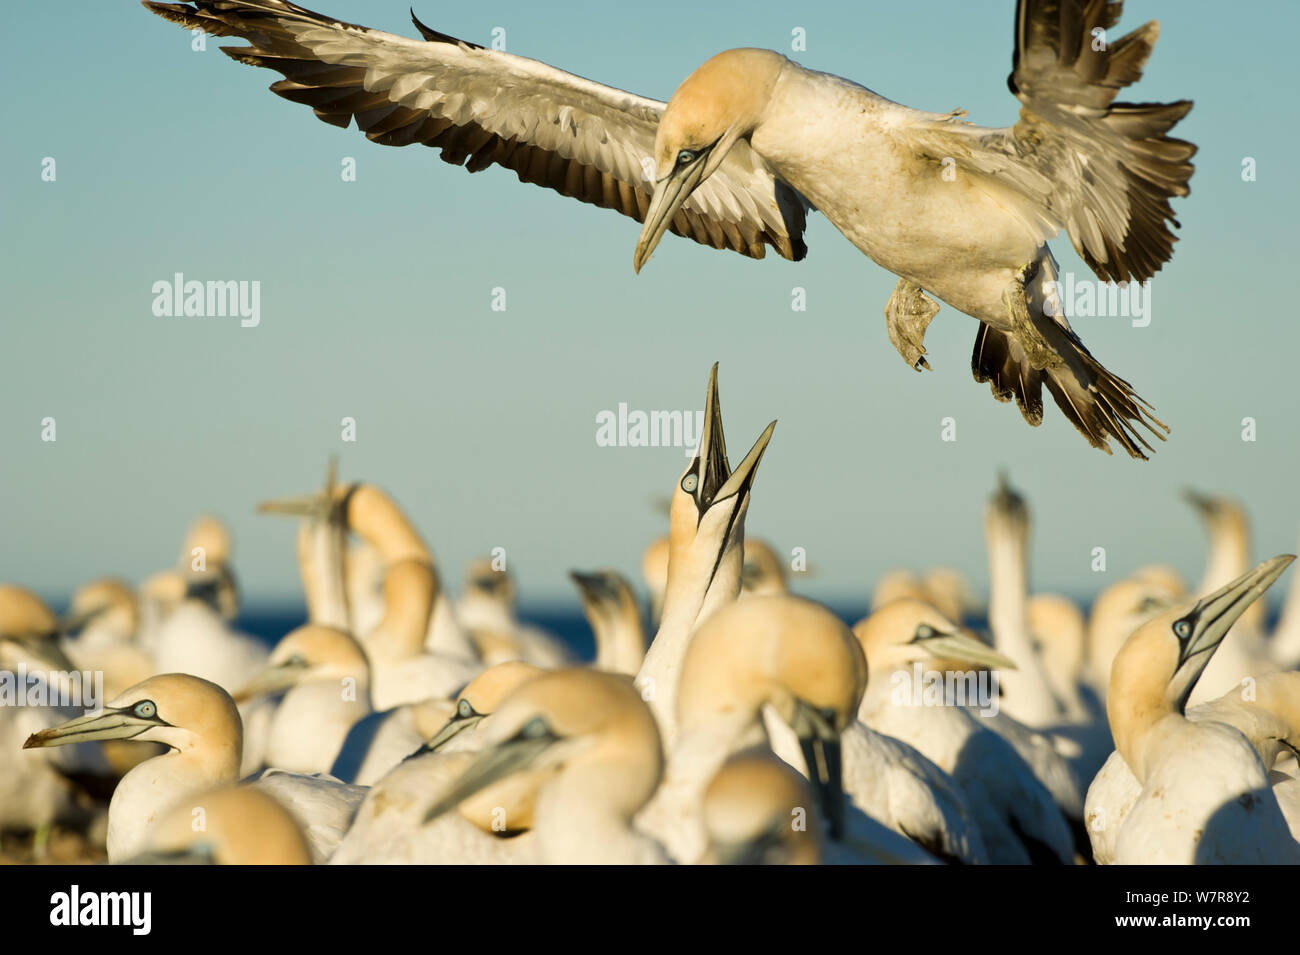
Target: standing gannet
x=751, y=140
x=388, y=826
x=325, y=678
x=1270, y=721
x=1205, y=794
x=487, y=608
x=610, y=608
x=706, y=548
x=236, y=825
x=195, y=718
x=1016, y=814
x=591, y=748
x=1247, y=653
x=371, y=514
x=1026, y=691
x=758, y=811
x=794, y=660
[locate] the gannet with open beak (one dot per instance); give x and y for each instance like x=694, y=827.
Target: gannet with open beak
x=610, y=607
x=791, y=657
x=1017, y=815
x=325, y=678
x=238, y=825
x=389, y=824
x=330, y=570
x=195, y=718
x=706, y=552
x=751, y=140
x=591, y=748
x=1206, y=795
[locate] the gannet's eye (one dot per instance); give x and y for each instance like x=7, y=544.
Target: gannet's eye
x=684, y=157
x=297, y=660
x=1182, y=629
x=464, y=710
x=690, y=482
x=535, y=728
x=145, y=709
x=924, y=632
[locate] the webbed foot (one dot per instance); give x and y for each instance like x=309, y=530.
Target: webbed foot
x=907, y=314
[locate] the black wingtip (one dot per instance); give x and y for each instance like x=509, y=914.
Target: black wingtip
x=433, y=36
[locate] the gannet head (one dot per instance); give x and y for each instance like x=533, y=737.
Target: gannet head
x=720, y=103
x=898, y=585
x=1007, y=513
x=309, y=654
x=1123, y=607
x=610, y=607
x=483, y=581
x=950, y=592
x=205, y=563
x=788, y=653
x=1158, y=666
x=1056, y=624
x=481, y=696
x=364, y=509
x=574, y=721
x=1222, y=515
x=908, y=631
x=763, y=571
x=707, y=514
x=184, y=712
x=241, y=826
x=759, y=811
x=29, y=631
x=109, y=602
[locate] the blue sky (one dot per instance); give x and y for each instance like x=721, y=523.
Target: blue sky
x=376, y=304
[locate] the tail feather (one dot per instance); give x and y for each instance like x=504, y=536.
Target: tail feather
x=1100, y=404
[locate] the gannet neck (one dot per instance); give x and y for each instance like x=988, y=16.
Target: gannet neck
x=610, y=607
x=1028, y=694
x=1228, y=530
x=322, y=566
x=375, y=516
x=410, y=589
x=654, y=572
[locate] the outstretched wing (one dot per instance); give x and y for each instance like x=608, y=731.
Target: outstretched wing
x=1104, y=171
x=482, y=107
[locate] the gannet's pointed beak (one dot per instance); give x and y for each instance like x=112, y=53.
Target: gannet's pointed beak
x=272, y=680
x=670, y=194
x=320, y=505
x=500, y=761
x=1202, y=629
x=450, y=730
x=964, y=648
x=110, y=724
x=1203, y=503
x=820, y=742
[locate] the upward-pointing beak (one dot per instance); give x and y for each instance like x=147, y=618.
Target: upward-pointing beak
x=670, y=194
x=1210, y=620
x=820, y=742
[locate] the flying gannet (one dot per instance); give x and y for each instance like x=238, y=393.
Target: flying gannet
x=751, y=140
x=1206, y=796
